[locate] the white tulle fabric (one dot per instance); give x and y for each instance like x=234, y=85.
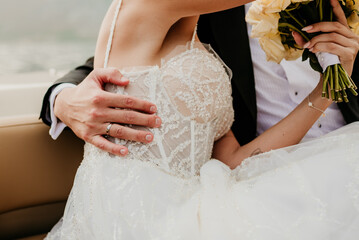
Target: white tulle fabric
x=170, y=189
x=309, y=191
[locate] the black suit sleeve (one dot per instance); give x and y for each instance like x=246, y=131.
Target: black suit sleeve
x=75, y=76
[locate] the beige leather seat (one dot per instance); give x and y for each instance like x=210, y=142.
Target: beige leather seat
x=36, y=175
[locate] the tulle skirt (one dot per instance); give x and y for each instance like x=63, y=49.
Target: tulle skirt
x=308, y=191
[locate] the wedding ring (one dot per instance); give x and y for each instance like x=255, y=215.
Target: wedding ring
x=108, y=130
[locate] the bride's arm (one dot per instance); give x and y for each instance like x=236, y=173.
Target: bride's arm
x=196, y=7
x=336, y=38
x=287, y=132
x=185, y=8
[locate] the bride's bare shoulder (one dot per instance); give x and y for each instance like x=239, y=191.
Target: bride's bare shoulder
x=140, y=28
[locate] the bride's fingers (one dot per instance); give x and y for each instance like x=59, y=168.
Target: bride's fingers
x=334, y=48
x=345, y=54
x=327, y=27
x=340, y=25
x=338, y=12
x=334, y=38
x=104, y=144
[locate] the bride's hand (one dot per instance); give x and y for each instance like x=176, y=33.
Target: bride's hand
x=336, y=38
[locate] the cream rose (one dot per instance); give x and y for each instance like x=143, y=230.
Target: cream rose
x=262, y=24
x=297, y=1
x=353, y=4
x=353, y=22
x=292, y=54
x=270, y=6
x=273, y=47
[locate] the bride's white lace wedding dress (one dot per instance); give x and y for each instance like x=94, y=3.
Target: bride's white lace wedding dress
x=171, y=189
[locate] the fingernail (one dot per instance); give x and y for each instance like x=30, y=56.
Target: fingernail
x=124, y=79
x=153, y=109
x=306, y=45
x=307, y=28
x=123, y=151
x=149, y=138
x=158, y=121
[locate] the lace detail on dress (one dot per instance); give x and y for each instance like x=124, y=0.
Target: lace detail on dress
x=202, y=92
x=192, y=92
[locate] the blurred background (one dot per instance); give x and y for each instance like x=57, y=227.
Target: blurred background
x=48, y=35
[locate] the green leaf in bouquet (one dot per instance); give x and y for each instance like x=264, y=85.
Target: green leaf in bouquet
x=313, y=60
x=305, y=55
x=316, y=66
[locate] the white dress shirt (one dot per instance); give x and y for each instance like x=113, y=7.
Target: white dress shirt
x=56, y=125
x=279, y=89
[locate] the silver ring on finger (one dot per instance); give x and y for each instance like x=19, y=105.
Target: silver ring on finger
x=108, y=128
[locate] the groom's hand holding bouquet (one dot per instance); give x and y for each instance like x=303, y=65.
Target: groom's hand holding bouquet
x=318, y=30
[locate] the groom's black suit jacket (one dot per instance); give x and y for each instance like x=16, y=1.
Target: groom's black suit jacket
x=226, y=32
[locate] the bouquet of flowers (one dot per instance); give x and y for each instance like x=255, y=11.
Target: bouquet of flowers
x=273, y=22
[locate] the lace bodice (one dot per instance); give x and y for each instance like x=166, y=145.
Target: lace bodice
x=192, y=92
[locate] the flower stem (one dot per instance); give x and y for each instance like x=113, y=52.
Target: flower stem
x=325, y=83
x=349, y=80
x=332, y=92
x=295, y=19
x=295, y=29
x=321, y=10
x=336, y=78
x=341, y=82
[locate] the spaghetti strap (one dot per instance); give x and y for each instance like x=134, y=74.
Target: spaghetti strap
x=112, y=30
x=194, y=37
x=110, y=38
